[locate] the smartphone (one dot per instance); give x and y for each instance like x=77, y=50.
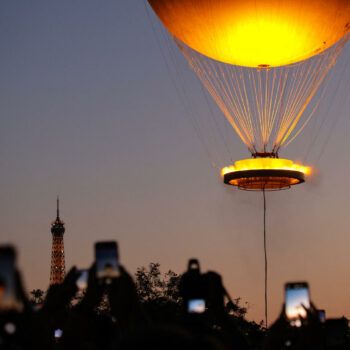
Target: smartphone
x=196, y=306
x=58, y=333
x=297, y=299
x=193, y=265
x=322, y=315
x=107, y=260
x=82, y=280
x=8, y=290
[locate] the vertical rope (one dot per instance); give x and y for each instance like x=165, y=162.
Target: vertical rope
x=265, y=253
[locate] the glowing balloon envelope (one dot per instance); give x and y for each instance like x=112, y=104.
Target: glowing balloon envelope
x=255, y=33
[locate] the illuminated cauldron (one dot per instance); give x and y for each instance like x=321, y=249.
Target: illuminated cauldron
x=264, y=173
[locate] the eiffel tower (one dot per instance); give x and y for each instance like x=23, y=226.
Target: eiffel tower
x=58, y=268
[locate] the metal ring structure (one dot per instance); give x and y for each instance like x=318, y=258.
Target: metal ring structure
x=264, y=179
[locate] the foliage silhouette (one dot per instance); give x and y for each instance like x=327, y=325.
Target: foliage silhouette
x=159, y=293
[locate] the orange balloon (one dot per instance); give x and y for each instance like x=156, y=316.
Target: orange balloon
x=255, y=33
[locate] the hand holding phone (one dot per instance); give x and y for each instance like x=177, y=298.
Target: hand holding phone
x=8, y=291
x=193, y=265
x=297, y=302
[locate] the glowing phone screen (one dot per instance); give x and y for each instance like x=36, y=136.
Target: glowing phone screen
x=296, y=298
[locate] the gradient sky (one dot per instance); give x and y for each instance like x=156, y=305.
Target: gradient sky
x=89, y=112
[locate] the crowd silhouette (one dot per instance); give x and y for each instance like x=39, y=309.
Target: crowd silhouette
x=188, y=311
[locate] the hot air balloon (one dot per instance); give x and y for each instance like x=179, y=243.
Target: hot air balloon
x=262, y=62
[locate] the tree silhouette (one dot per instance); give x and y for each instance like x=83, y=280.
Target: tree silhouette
x=151, y=284
x=159, y=293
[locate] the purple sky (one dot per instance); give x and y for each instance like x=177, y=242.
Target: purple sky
x=89, y=112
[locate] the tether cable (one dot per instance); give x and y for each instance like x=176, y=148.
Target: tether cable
x=265, y=253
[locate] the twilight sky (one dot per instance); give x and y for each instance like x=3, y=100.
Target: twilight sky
x=89, y=112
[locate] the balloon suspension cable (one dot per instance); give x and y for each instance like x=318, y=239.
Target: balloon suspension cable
x=265, y=253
